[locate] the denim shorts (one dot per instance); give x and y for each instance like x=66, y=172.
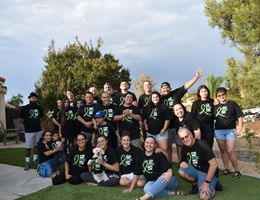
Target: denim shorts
x=159, y=137
x=200, y=177
x=225, y=134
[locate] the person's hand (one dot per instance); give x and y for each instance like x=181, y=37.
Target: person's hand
x=238, y=131
x=205, y=189
x=184, y=165
x=198, y=73
x=128, y=190
x=167, y=176
x=59, y=147
x=162, y=132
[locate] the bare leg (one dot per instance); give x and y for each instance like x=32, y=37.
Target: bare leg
x=230, y=144
x=224, y=154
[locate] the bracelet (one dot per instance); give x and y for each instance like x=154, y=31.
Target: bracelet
x=206, y=181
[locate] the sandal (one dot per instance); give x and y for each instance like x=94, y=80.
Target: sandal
x=225, y=172
x=178, y=193
x=236, y=175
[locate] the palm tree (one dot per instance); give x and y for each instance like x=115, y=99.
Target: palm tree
x=214, y=82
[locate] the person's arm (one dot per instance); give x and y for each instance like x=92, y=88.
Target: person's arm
x=191, y=82
x=55, y=122
x=211, y=172
x=239, y=126
x=133, y=184
x=87, y=124
x=135, y=116
x=119, y=117
x=59, y=147
x=165, y=127
x=112, y=167
x=66, y=169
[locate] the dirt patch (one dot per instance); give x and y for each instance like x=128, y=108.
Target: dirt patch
x=254, y=126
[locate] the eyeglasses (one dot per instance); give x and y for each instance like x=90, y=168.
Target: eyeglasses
x=185, y=137
x=221, y=95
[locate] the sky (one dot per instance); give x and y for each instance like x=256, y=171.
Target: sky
x=167, y=39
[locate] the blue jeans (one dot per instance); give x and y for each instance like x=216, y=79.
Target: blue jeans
x=52, y=164
x=199, y=176
x=159, y=188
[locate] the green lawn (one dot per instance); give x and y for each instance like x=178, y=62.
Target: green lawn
x=244, y=188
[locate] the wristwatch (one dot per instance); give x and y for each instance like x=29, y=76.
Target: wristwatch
x=207, y=181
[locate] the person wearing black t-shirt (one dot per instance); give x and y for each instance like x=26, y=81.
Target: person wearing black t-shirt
x=227, y=113
x=120, y=96
x=108, y=88
x=108, y=164
x=85, y=115
x=129, y=160
x=184, y=119
x=109, y=109
x=68, y=123
x=143, y=102
x=128, y=117
x=31, y=114
x=96, y=99
x=56, y=117
x=202, y=110
x=49, y=157
x=171, y=97
x=76, y=162
x=157, y=171
x=104, y=128
x=198, y=164
x=156, y=120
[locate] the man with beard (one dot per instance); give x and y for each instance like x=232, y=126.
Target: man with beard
x=31, y=114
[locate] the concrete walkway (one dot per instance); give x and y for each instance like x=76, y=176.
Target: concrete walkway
x=15, y=182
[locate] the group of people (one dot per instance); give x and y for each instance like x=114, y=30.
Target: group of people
x=136, y=137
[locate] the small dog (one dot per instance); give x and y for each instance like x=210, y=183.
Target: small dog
x=96, y=159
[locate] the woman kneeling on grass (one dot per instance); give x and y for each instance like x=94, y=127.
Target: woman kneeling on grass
x=129, y=159
x=103, y=169
x=157, y=172
x=49, y=159
x=76, y=162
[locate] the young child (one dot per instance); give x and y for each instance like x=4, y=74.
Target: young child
x=60, y=155
x=103, y=128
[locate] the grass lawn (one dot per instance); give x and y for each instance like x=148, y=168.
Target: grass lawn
x=244, y=188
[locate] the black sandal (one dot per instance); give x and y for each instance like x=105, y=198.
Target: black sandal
x=225, y=172
x=236, y=175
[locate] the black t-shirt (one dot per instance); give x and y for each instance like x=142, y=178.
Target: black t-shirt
x=106, y=130
x=198, y=155
x=188, y=122
x=226, y=115
x=152, y=167
x=128, y=160
x=109, y=157
x=109, y=113
x=31, y=113
x=87, y=112
x=156, y=117
x=78, y=160
x=41, y=147
x=57, y=116
x=174, y=97
x=128, y=123
x=69, y=117
x=203, y=111
x=143, y=101
x=120, y=98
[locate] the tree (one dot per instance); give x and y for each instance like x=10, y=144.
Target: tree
x=213, y=83
x=77, y=67
x=16, y=100
x=139, y=83
x=239, y=23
